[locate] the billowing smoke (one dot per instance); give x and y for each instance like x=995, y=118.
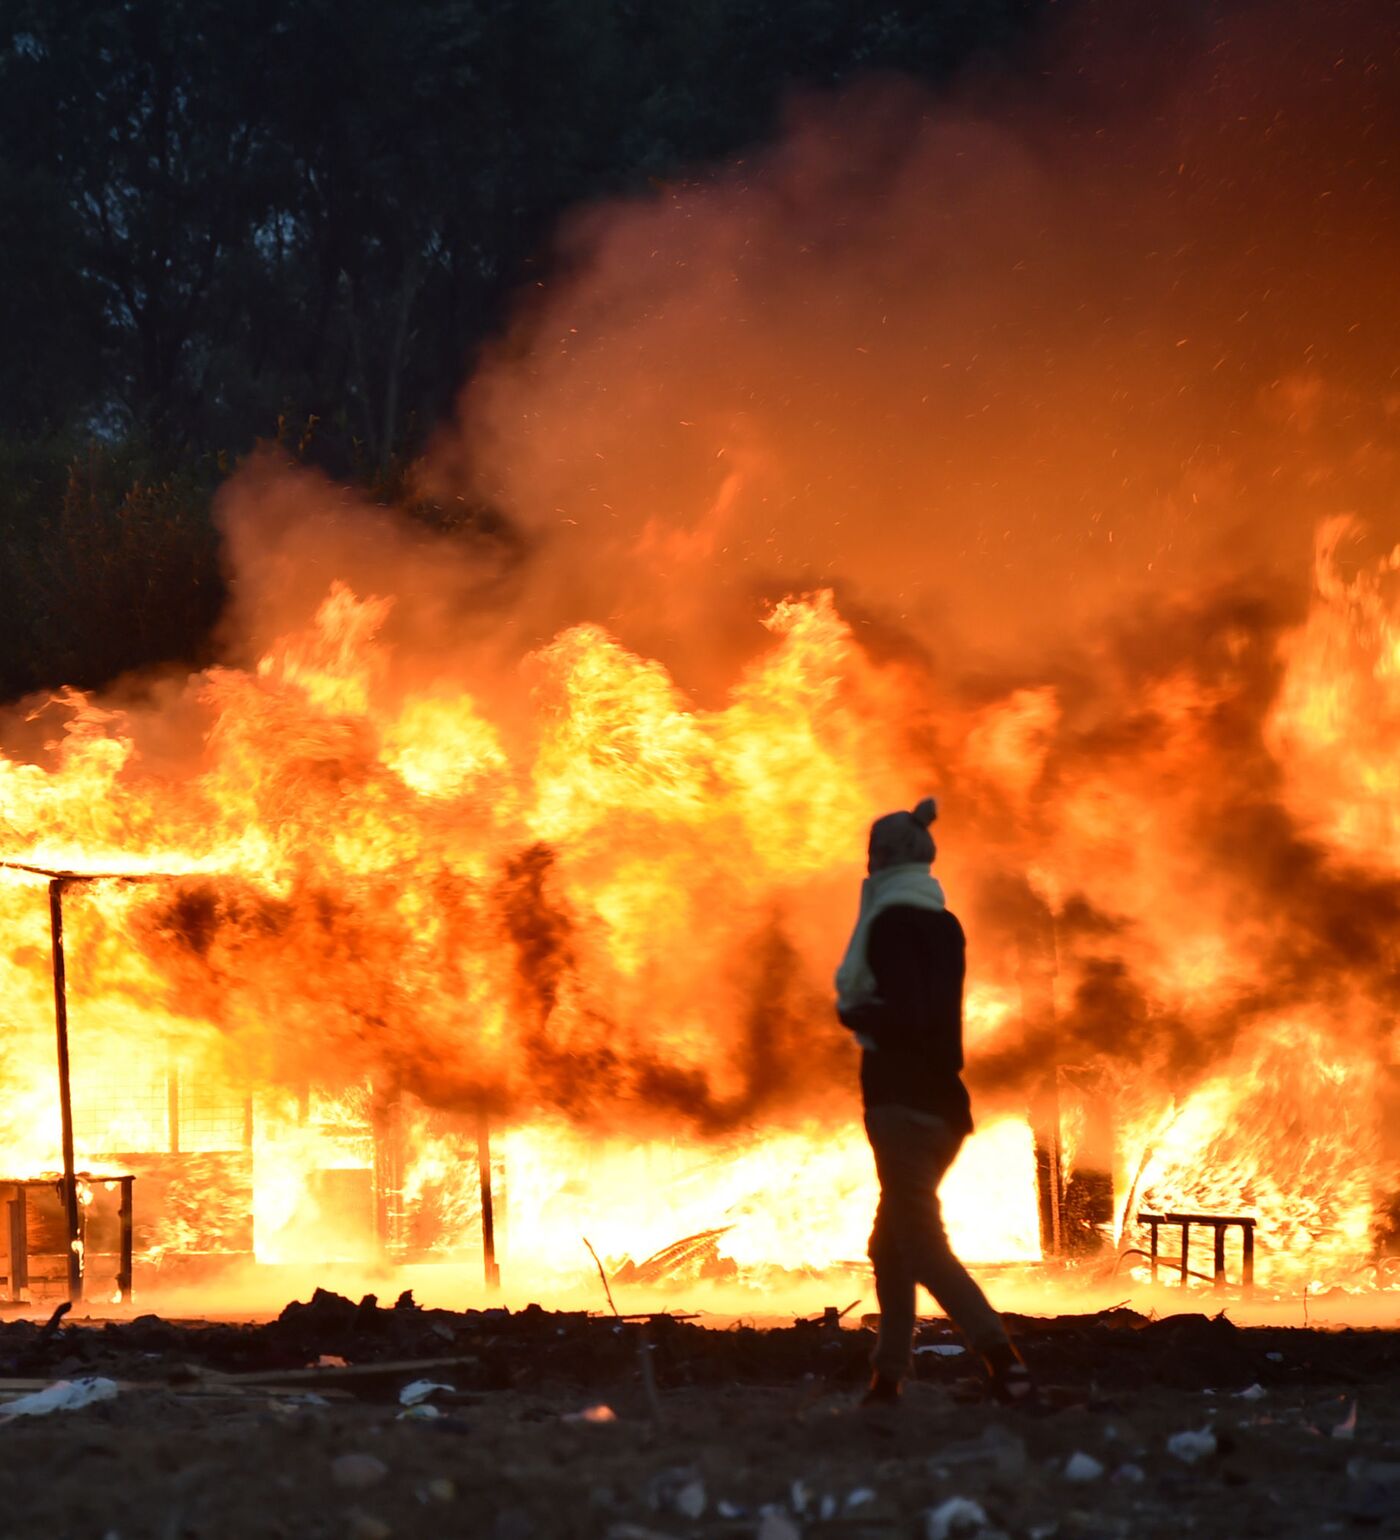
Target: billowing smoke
x=999, y=368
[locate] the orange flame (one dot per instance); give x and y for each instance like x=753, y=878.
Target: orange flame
x=563, y=830
x=628, y=925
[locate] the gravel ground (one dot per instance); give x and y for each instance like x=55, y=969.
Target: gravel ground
x=748, y=1433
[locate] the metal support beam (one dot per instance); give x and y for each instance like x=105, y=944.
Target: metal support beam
x=124, y=1263
x=488, y=1208
x=1049, y=1167
x=19, y=1243
x=1035, y=943
x=71, y=1216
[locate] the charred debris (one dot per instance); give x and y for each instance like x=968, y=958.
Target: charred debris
x=338, y=1347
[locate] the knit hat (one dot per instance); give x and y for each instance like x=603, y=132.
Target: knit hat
x=902, y=839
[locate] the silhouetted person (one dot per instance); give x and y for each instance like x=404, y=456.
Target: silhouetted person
x=899, y=990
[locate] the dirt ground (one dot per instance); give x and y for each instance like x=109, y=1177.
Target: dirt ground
x=742, y=1432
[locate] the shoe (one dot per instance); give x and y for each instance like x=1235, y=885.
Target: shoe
x=1009, y=1378
x=882, y=1391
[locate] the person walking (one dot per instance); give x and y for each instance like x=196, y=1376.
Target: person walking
x=900, y=992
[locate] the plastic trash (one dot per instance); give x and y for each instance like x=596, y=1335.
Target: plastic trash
x=61, y=1396
x=941, y=1349
x=420, y=1390
x=1130, y=1474
x=424, y=1411
x=1346, y=1428
x=953, y=1519
x=1192, y=1445
x=1254, y=1393
x=1082, y=1467
x=592, y=1414
x=858, y=1499
x=678, y=1489
x=690, y=1501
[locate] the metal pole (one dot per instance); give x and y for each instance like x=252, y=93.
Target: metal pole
x=125, y=1215
x=1049, y=1165
x=488, y=1213
x=65, y=1093
x=1036, y=971
x=19, y=1243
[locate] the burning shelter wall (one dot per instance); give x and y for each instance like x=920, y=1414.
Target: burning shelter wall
x=1039, y=455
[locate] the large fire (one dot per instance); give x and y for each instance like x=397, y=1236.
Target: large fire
x=383, y=912
x=821, y=490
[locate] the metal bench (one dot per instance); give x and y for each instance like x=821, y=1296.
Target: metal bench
x=1219, y=1223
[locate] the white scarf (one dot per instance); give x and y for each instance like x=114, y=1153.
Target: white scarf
x=912, y=885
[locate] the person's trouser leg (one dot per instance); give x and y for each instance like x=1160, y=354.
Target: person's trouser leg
x=894, y=1292
x=912, y=1154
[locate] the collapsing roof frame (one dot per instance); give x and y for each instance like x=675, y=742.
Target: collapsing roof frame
x=57, y=881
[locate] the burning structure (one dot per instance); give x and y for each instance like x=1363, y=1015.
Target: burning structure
x=928, y=451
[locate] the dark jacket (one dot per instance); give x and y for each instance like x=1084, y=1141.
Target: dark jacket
x=918, y=958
